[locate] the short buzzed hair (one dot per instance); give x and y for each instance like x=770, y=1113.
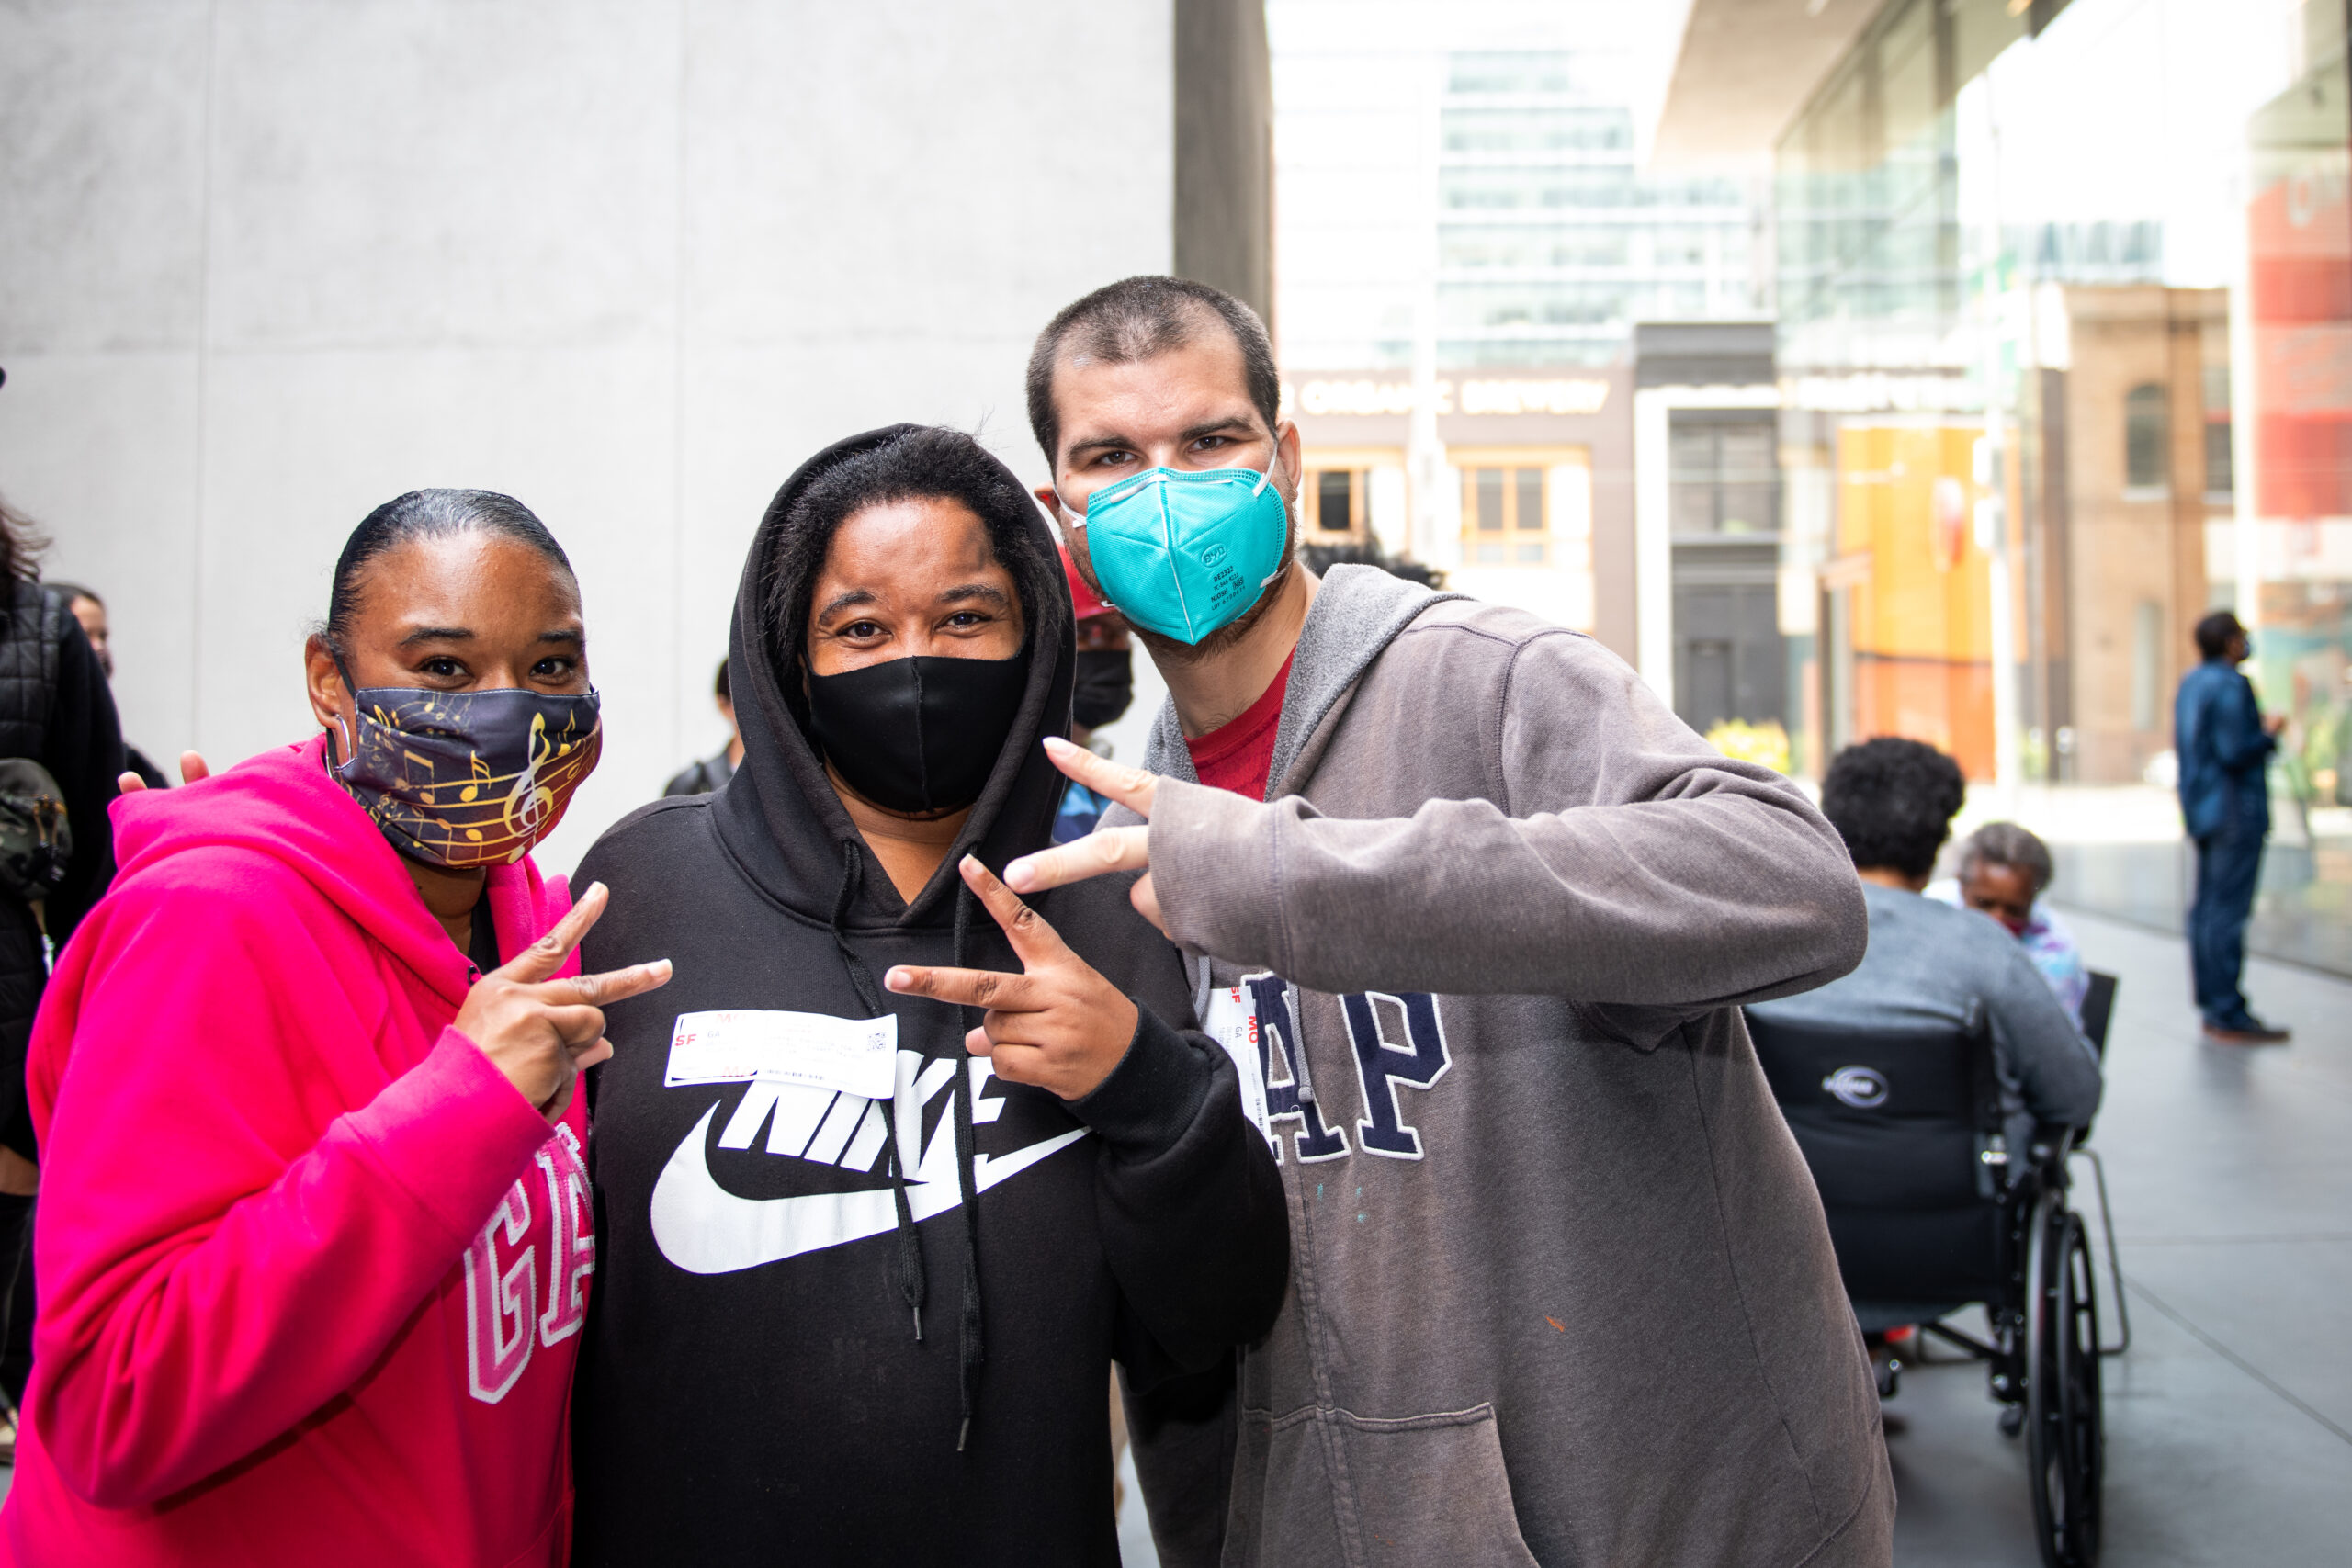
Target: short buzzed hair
x=1138, y=318
x=2215, y=632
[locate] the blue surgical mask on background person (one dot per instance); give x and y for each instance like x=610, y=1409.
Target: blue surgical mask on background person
x=1183, y=553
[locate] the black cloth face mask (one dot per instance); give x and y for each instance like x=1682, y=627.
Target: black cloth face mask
x=918, y=736
x=1106, y=684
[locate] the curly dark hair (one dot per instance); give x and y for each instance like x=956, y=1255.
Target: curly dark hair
x=1893, y=802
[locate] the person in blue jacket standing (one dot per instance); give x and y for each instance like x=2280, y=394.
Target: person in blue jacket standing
x=2224, y=744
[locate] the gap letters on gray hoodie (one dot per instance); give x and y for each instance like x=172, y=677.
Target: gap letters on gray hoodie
x=1561, y=1292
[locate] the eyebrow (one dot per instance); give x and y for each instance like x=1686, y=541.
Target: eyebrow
x=844, y=601
x=1209, y=427
x=463, y=634
x=974, y=590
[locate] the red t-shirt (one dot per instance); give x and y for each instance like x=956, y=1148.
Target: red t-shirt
x=1236, y=754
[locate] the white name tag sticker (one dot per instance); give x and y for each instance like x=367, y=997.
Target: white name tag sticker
x=1232, y=1023
x=815, y=1050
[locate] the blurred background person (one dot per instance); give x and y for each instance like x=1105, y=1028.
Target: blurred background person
x=1892, y=801
x=702, y=777
x=91, y=610
x=316, y=1232
x=1105, y=686
x=2003, y=872
x=56, y=712
x=2224, y=744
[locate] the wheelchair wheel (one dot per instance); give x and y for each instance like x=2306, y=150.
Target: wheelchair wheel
x=2065, y=1425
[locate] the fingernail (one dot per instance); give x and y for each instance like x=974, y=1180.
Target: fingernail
x=896, y=980
x=1056, y=744
x=660, y=966
x=1018, y=876
x=593, y=888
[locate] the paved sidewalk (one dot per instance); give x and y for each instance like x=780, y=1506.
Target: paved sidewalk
x=2230, y=1422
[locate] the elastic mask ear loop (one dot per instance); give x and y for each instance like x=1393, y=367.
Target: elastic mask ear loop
x=350, y=746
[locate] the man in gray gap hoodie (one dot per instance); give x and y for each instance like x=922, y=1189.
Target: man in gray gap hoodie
x=1561, y=1291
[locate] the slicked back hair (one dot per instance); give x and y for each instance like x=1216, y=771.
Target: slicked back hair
x=1893, y=802
x=1138, y=318
x=426, y=514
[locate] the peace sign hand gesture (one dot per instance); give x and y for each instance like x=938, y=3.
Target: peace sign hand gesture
x=542, y=1033
x=1057, y=1024
x=1105, y=849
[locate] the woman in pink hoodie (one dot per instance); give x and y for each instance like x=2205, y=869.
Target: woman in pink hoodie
x=316, y=1236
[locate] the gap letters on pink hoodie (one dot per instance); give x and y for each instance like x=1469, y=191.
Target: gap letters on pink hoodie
x=312, y=1271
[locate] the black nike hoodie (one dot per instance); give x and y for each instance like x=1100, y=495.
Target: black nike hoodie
x=752, y=1389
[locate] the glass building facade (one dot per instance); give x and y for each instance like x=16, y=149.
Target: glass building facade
x=1551, y=240
x=2064, y=321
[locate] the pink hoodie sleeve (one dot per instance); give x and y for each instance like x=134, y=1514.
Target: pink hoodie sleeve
x=239, y=1214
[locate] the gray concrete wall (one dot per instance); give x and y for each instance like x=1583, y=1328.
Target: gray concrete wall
x=266, y=263
x=1224, y=150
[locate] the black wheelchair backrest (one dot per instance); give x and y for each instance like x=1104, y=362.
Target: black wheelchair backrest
x=1889, y=1116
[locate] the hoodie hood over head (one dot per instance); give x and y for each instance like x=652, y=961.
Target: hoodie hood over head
x=779, y=814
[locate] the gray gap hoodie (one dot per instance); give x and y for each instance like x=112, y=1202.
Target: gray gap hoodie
x=1560, y=1289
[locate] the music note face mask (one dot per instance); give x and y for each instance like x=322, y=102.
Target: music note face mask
x=464, y=779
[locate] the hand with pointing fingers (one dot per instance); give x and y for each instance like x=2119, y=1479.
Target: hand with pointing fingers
x=1057, y=1024
x=543, y=1033
x=1105, y=849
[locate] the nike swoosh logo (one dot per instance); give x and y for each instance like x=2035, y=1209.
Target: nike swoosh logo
x=705, y=1229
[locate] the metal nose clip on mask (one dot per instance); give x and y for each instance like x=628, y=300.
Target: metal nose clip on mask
x=1183, y=553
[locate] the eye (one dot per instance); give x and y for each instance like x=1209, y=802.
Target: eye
x=1114, y=459
x=441, y=667
x=964, y=620
x=861, y=631
x=555, y=667
x=1212, y=443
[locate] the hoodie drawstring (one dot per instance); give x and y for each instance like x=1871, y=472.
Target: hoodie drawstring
x=913, y=1280
x=965, y=1159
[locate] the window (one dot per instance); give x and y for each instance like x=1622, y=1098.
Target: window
x=2147, y=663
x=1723, y=475
x=2146, y=434
x=1504, y=522
x=1336, y=502
x=2220, y=477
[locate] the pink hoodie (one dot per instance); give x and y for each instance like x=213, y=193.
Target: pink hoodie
x=312, y=1271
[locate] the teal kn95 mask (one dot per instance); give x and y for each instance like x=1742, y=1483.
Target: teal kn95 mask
x=1183, y=553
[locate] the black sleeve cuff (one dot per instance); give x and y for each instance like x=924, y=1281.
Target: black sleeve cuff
x=1154, y=1093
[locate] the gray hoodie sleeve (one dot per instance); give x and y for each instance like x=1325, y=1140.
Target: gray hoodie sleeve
x=1615, y=859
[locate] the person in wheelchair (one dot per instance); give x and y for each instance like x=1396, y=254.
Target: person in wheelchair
x=1893, y=801
x=2004, y=871
x=1936, y=1092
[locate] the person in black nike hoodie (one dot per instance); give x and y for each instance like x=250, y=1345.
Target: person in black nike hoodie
x=835, y=1329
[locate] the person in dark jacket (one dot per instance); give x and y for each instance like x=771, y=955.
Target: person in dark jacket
x=837, y=1323
x=55, y=710
x=706, y=773
x=91, y=612
x=2224, y=744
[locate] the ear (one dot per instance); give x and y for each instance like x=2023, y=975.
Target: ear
x=330, y=698
x=1288, y=453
